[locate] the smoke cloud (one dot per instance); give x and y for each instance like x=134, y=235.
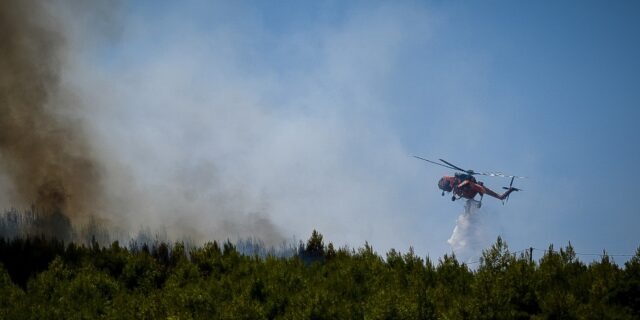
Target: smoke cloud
x=205, y=127
x=53, y=163
x=45, y=156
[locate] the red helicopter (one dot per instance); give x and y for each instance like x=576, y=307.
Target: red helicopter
x=464, y=185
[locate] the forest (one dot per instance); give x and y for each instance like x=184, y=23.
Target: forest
x=45, y=278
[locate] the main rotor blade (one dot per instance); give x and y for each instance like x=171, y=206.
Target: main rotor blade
x=491, y=174
x=440, y=164
x=499, y=174
x=456, y=167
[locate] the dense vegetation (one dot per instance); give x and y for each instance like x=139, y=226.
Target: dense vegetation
x=45, y=279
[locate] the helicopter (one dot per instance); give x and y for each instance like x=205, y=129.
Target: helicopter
x=464, y=185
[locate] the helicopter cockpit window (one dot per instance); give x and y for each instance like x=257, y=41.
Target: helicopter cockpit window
x=445, y=185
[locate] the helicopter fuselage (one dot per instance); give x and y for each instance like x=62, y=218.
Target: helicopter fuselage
x=462, y=185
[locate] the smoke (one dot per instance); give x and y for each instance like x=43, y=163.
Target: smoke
x=46, y=158
x=206, y=127
x=53, y=162
x=469, y=236
x=217, y=133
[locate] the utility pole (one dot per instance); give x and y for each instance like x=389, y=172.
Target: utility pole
x=531, y=255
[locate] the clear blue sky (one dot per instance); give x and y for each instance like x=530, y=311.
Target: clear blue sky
x=545, y=89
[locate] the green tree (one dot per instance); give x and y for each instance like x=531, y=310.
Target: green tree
x=494, y=298
x=562, y=285
x=12, y=301
x=314, y=250
x=627, y=292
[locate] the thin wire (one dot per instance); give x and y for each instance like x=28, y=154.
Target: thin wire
x=590, y=254
x=556, y=251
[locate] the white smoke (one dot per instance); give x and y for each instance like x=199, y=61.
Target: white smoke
x=470, y=235
x=237, y=130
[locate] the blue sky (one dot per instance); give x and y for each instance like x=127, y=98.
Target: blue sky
x=308, y=113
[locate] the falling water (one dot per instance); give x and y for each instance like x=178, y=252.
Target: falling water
x=469, y=235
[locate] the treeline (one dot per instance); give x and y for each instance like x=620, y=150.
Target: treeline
x=46, y=279
x=15, y=223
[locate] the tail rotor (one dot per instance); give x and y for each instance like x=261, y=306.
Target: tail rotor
x=510, y=187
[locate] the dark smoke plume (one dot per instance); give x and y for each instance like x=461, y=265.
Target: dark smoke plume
x=44, y=153
x=52, y=167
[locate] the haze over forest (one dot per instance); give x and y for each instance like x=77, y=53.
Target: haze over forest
x=212, y=120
